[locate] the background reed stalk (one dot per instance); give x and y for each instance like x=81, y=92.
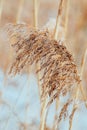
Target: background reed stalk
x=20, y=9
x=35, y=13
x=1, y=8
x=67, y=2
x=81, y=75
x=58, y=19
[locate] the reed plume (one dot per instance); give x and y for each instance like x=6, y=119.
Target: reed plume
x=57, y=66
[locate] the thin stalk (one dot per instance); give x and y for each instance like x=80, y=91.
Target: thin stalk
x=44, y=113
x=1, y=8
x=44, y=109
x=83, y=62
x=71, y=117
x=82, y=70
x=74, y=108
x=66, y=18
x=35, y=13
x=38, y=79
x=35, y=20
x=55, y=119
x=20, y=9
x=83, y=94
x=56, y=31
x=58, y=19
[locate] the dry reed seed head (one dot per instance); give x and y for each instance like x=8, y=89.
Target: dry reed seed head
x=64, y=110
x=17, y=32
x=56, y=63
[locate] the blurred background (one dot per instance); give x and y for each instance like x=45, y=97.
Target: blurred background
x=19, y=98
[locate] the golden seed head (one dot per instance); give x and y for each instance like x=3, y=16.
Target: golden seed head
x=57, y=66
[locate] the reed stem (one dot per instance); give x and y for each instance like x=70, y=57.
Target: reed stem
x=59, y=14
x=82, y=70
x=66, y=18
x=44, y=105
x=35, y=13
x=1, y=8
x=83, y=94
x=20, y=9
x=55, y=126
x=74, y=108
x=35, y=20
x=44, y=113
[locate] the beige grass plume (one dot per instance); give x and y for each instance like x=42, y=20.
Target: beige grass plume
x=57, y=64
